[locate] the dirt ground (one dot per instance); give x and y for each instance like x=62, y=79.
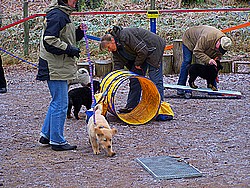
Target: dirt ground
x=211, y=133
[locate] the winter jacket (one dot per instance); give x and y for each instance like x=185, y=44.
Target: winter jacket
x=58, y=37
x=136, y=46
x=202, y=41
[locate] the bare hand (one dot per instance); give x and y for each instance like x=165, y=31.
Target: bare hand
x=138, y=67
x=212, y=62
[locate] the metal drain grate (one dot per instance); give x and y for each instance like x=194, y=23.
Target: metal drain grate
x=166, y=167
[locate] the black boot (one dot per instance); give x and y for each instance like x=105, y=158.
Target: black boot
x=125, y=110
x=63, y=147
x=43, y=140
x=3, y=90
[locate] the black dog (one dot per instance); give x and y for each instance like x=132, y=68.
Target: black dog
x=81, y=96
x=208, y=72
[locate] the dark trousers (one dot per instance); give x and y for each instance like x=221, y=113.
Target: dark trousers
x=2, y=78
x=155, y=75
x=134, y=94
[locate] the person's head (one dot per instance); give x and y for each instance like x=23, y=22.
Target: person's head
x=71, y=3
x=108, y=43
x=223, y=44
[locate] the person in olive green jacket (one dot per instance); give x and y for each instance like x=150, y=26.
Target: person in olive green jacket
x=138, y=50
x=56, y=66
x=206, y=43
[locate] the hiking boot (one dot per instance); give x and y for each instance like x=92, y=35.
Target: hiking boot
x=44, y=140
x=125, y=110
x=62, y=147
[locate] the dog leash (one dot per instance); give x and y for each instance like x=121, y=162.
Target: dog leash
x=19, y=58
x=84, y=26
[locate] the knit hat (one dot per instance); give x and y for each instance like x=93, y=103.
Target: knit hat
x=225, y=43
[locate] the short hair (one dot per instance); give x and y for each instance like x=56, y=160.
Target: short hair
x=104, y=40
x=62, y=2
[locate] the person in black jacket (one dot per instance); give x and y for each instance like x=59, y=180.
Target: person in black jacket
x=3, y=84
x=138, y=50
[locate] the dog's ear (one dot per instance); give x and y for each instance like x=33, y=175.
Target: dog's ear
x=97, y=86
x=98, y=131
x=114, y=131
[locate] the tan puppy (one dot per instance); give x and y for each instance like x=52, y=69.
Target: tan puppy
x=100, y=133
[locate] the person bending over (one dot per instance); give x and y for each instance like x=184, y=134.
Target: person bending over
x=138, y=50
x=206, y=43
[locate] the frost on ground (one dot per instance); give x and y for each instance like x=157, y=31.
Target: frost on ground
x=211, y=133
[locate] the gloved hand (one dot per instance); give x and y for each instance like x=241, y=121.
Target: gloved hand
x=212, y=62
x=73, y=51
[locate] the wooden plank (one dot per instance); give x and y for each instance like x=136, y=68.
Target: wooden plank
x=236, y=66
x=204, y=90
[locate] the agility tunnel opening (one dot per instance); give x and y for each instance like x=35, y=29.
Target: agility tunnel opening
x=116, y=82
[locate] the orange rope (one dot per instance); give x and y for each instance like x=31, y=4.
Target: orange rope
x=236, y=27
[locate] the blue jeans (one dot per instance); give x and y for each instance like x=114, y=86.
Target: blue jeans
x=155, y=75
x=187, y=59
x=53, y=126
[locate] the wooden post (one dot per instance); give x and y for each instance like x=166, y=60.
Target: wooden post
x=103, y=67
x=246, y=65
x=177, y=55
x=227, y=66
x=167, y=64
x=26, y=28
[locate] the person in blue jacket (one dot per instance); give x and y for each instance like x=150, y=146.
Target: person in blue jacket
x=57, y=65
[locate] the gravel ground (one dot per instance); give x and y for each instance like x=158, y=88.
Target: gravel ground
x=212, y=133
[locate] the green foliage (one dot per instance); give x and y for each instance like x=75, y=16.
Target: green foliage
x=169, y=26
x=90, y=4
x=192, y=1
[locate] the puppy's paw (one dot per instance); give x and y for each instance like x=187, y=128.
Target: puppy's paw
x=97, y=152
x=111, y=154
x=214, y=88
x=209, y=86
x=69, y=117
x=192, y=85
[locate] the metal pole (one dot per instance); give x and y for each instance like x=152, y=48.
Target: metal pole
x=26, y=28
x=1, y=16
x=152, y=20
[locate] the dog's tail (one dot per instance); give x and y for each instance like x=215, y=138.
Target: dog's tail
x=98, y=108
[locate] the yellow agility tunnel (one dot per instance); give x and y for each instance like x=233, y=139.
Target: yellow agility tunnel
x=149, y=103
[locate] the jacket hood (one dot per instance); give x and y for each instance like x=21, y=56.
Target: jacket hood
x=62, y=6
